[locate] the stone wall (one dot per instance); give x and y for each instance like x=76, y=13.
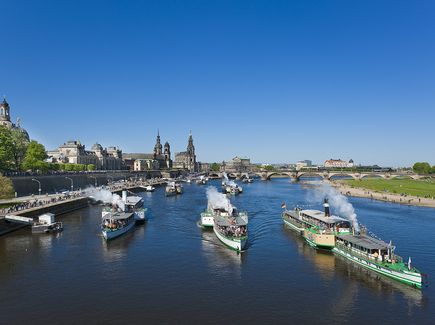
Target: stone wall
x=24, y=185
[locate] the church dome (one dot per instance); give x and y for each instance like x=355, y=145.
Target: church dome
x=97, y=147
x=24, y=132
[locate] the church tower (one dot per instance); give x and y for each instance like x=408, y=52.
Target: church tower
x=191, y=164
x=158, y=147
x=5, y=116
x=167, y=153
x=190, y=146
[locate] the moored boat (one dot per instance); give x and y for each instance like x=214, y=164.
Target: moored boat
x=46, y=223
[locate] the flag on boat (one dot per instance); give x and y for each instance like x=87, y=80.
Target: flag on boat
x=283, y=206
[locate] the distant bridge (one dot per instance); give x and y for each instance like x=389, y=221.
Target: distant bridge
x=329, y=175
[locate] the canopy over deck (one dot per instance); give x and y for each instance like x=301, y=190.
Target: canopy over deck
x=364, y=241
x=320, y=215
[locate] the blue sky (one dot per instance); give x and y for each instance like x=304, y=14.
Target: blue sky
x=278, y=81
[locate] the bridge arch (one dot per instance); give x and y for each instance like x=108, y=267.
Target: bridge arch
x=309, y=175
x=366, y=176
x=278, y=173
x=333, y=176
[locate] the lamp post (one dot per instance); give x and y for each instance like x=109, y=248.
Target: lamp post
x=39, y=184
x=72, y=183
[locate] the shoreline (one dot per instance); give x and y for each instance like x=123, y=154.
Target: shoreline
x=410, y=200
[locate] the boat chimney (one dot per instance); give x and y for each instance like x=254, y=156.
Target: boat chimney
x=124, y=196
x=326, y=206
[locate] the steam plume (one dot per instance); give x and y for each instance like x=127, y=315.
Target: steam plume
x=337, y=201
x=218, y=200
x=105, y=196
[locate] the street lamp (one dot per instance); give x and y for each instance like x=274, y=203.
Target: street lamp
x=39, y=183
x=72, y=183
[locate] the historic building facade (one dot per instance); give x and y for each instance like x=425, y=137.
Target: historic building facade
x=237, y=164
x=73, y=152
x=5, y=119
x=159, y=159
x=187, y=159
x=338, y=163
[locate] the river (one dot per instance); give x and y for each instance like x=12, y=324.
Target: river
x=170, y=271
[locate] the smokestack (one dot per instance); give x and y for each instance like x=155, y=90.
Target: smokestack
x=326, y=206
x=124, y=196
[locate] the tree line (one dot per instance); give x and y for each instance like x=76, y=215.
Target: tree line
x=423, y=168
x=17, y=154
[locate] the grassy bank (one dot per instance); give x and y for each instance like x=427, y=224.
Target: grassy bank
x=421, y=188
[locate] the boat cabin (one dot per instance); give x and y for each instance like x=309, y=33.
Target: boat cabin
x=323, y=221
x=114, y=221
x=368, y=247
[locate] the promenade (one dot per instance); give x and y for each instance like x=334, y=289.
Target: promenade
x=25, y=203
x=383, y=196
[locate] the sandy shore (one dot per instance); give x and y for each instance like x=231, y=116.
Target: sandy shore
x=388, y=197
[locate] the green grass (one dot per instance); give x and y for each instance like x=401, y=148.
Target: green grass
x=419, y=188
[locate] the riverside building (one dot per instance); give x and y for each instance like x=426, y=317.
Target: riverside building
x=73, y=152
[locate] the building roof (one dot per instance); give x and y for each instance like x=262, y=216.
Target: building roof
x=364, y=241
x=138, y=156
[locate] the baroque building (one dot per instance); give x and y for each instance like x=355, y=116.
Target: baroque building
x=187, y=159
x=5, y=119
x=73, y=152
x=159, y=159
x=238, y=164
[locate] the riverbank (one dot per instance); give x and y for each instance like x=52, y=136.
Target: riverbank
x=348, y=190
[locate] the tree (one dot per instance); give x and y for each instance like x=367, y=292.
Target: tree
x=269, y=168
x=34, y=159
x=90, y=167
x=6, y=145
x=215, y=167
x=19, y=147
x=422, y=168
x=6, y=188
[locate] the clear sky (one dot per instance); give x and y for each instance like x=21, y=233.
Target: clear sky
x=278, y=81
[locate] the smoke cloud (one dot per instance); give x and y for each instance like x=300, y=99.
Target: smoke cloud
x=105, y=196
x=338, y=202
x=218, y=200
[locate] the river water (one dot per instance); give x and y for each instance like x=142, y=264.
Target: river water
x=171, y=271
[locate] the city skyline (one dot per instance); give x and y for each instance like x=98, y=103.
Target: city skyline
x=278, y=82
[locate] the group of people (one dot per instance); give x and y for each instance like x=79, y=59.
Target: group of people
x=113, y=224
x=234, y=231
x=34, y=203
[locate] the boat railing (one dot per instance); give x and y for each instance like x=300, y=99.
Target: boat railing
x=397, y=259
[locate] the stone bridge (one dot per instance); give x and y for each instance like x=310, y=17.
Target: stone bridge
x=329, y=175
